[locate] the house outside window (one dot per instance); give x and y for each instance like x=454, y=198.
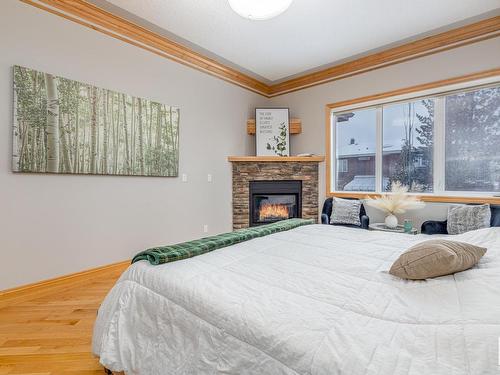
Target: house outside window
x=343, y=165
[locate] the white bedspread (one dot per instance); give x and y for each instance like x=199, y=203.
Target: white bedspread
x=313, y=300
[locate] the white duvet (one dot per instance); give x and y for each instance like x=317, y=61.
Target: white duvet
x=313, y=300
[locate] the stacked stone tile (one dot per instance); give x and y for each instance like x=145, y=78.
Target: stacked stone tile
x=244, y=172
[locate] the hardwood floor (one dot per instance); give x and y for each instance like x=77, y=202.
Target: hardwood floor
x=51, y=332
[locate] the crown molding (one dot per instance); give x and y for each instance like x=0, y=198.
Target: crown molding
x=89, y=15
x=417, y=88
x=472, y=33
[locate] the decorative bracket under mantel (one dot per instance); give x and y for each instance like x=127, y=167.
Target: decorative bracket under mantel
x=295, y=126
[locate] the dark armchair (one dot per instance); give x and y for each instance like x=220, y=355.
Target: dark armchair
x=326, y=213
x=440, y=227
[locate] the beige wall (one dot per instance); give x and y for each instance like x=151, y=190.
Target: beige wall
x=309, y=104
x=52, y=225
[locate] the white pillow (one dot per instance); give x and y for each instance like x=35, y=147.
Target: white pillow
x=464, y=218
x=345, y=211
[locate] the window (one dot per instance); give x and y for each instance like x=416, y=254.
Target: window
x=407, y=148
x=355, y=140
x=473, y=140
x=343, y=165
x=438, y=141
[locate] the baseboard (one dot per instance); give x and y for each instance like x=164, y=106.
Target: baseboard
x=41, y=288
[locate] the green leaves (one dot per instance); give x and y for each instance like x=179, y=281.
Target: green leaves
x=279, y=146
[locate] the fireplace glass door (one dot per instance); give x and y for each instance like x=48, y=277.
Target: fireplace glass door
x=273, y=207
x=276, y=200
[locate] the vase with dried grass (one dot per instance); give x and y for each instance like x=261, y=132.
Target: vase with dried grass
x=397, y=201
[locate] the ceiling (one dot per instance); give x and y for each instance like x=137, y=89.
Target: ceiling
x=311, y=34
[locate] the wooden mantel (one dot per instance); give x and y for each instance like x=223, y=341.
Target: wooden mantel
x=295, y=126
x=276, y=159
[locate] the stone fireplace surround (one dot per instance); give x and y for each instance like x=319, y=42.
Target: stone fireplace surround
x=246, y=169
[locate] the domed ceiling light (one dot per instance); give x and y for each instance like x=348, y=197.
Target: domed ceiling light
x=259, y=10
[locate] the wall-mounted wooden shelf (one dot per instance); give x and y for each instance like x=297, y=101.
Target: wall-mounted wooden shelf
x=295, y=126
x=276, y=159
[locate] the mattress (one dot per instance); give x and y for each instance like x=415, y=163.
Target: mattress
x=317, y=299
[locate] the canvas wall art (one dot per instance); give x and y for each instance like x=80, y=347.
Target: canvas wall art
x=65, y=126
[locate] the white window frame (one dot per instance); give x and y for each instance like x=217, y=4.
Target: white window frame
x=439, y=159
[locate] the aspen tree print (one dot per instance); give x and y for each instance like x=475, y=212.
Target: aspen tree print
x=65, y=126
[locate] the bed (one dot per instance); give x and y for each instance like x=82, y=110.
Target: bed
x=313, y=300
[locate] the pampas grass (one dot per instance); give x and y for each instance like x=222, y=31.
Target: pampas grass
x=397, y=202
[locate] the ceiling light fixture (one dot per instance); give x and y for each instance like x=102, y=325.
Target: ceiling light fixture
x=259, y=10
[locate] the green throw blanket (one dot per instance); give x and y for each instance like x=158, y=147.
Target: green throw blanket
x=171, y=253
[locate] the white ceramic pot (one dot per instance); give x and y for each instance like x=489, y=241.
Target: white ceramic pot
x=391, y=221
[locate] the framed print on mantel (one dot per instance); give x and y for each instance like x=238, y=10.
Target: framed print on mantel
x=272, y=135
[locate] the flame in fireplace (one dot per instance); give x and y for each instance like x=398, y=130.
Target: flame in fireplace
x=273, y=211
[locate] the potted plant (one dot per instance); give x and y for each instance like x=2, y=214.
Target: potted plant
x=397, y=201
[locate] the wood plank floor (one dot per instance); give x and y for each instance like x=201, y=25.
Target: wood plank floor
x=51, y=333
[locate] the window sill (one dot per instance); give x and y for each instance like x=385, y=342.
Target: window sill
x=425, y=198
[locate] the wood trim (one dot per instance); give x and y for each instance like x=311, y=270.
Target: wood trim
x=482, y=30
x=275, y=159
x=295, y=126
x=89, y=15
x=328, y=135
x=26, y=292
x=425, y=198
x=422, y=87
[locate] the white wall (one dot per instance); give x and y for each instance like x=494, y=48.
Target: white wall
x=52, y=225
x=309, y=104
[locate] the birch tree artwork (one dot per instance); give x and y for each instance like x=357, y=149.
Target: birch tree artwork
x=64, y=126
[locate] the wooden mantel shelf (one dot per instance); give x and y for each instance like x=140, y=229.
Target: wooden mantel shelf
x=278, y=159
x=295, y=126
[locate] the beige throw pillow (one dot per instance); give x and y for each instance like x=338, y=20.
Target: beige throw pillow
x=435, y=258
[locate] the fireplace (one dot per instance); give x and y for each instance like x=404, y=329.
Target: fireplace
x=276, y=200
x=251, y=171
